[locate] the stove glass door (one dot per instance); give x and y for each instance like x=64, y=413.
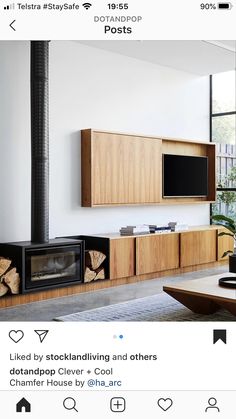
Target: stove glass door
x=53, y=265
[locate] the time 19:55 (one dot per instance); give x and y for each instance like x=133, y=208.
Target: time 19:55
x=120, y=6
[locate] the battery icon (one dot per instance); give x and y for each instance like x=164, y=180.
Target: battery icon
x=225, y=6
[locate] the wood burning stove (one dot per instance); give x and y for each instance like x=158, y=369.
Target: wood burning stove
x=58, y=263
x=43, y=263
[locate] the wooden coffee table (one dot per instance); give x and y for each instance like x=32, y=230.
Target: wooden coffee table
x=204, y=296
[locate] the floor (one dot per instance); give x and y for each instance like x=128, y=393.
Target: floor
x=49, y=309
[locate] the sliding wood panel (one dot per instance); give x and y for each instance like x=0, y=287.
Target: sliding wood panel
x=122, y=258
x=126, y=169
x=197, y=247
x=157, y=253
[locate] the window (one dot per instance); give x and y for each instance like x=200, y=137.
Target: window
x=223, y=133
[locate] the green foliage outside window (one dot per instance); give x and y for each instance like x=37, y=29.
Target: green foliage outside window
x=228, y=198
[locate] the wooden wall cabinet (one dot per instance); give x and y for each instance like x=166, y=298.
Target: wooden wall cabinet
x=157, y=253
x=125, y=169
x=197, y=247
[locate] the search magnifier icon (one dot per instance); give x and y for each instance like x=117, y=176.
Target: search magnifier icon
x=70, y=404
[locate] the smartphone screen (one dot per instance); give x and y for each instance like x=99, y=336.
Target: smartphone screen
x=117, y=209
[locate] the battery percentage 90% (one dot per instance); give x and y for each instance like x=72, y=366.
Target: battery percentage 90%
x=208, y=6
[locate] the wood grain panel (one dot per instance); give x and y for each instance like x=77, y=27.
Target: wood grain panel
x=127, y=169
x=211, y=153
x=184, y=148
x=122, y=258
x=224, y=243
x=197, y=247
x=207, y=286
x=157, y=253
x=86, y=168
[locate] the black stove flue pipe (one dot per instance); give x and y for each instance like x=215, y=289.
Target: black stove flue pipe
x=39, y=141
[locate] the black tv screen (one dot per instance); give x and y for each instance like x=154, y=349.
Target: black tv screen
x=185, y=176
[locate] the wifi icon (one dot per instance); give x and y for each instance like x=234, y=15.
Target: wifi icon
x=87, y=5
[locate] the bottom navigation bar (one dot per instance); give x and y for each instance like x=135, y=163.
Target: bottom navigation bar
x=197, y=404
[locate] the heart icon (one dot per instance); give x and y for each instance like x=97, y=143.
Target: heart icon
x=165, y=404
x=16, y=335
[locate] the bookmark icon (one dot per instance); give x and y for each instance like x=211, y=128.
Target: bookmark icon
x=219, y=335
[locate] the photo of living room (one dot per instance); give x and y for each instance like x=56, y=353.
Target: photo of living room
x=118, y=180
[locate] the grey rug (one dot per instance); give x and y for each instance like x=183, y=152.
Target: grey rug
x=159, y=307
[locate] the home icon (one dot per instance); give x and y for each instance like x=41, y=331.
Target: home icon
x=23, y=406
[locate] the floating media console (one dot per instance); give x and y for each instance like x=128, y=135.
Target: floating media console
x=131, y=259
x=125, y=169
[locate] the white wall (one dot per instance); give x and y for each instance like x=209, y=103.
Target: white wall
x=90, y=88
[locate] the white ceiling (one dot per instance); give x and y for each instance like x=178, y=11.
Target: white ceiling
x=198, y=57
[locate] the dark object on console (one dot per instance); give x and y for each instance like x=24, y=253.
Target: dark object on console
x=60, y=262
x=232, y=263
x=39, y=141
x=228, y=282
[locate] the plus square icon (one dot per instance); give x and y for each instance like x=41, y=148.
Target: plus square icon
x=117, y=404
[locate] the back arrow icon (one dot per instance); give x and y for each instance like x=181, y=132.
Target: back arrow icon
x=12, y=24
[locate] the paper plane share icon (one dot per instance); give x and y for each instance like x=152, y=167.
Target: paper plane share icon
x=42, y=334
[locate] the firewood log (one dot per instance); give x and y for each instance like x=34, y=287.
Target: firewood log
x=4, y=265
x=3, y=289
x=100, y=274
x=12, y=280
x=94, y=259
x=89, y=275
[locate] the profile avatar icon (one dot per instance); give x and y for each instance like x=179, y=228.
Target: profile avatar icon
x=212, y=402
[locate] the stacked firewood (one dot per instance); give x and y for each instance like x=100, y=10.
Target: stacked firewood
x=94, y=269
x=9, y=278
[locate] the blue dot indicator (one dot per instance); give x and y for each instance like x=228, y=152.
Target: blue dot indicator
x=121, y=336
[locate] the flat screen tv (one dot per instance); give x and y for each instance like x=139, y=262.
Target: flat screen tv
x=185, y=176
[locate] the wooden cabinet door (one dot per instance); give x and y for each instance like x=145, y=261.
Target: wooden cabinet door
x=224, y=243
x=157, y=253
x=122, y=258
x=125, y=169
x=197, y=247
